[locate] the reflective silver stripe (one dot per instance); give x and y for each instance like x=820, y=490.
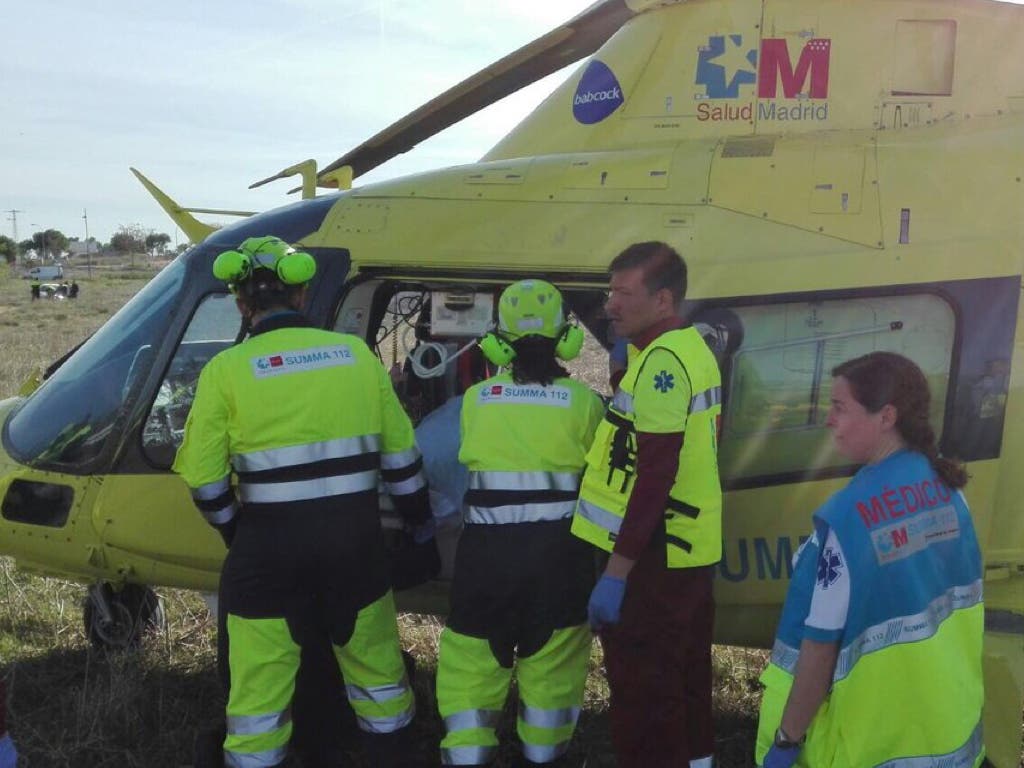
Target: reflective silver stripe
x=222, y=515
x=524, y=481
x=907, y=629
x=472, y=718
x=784, y=656
x=378, y=693
x=902, y=629
x=702, y=762
x=250, y=725
x=266, y=759
x=709, y=398
x=212, y=490
x=407, y=486
x=520, y=513
x=388, y=724
x=623, y=402
x=965, y=755
x=399, y=459
x=599, y=516
x=548, y=718
x=468, y=755
x=293, y=455
x=544, y=753
x=299, y=490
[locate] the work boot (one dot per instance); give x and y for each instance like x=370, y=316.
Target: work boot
x=391, y=750
x=208, y=748
x=521, y=762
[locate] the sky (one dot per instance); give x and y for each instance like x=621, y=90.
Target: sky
x=205, y=97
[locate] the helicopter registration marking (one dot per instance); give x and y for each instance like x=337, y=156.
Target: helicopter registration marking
x=295, y=361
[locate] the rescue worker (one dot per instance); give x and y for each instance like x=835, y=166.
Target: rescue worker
x=521, y=580
x=307, y=421
x=651, y=497
x=878, y=654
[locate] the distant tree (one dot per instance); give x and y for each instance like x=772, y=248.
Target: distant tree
x=156, y=243
x=8, y=249
x=49, y=244
x=182, y=247
x=25, y=246
x=129, y=240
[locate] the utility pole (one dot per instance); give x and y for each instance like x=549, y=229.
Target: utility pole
x=14, y=220
x=88, y=252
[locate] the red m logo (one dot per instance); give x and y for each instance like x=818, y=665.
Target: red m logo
x=774, y=64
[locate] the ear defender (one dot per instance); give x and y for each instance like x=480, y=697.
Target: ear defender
x=291, y=267
x=570, y=342
x=296, y=268
x=497, y=349
x=232, y=266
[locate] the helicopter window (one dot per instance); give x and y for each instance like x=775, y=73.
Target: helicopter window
x=777, y=373
x=925, y=54
x=67, y=420
x=27, y=501
x=214, y=326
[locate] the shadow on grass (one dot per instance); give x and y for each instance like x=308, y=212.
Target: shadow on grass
x=591, y=745
x=84, y=708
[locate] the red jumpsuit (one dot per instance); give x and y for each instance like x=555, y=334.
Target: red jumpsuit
x=658, y=657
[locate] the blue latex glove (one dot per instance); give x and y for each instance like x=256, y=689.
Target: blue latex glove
x=8, y=754
x=778, y=757
x=605, y=602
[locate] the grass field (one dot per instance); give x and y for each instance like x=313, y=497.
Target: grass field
x=73, y=706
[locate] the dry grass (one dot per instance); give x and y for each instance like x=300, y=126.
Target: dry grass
x=73, y=706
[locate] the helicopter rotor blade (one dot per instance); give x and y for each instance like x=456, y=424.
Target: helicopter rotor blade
x=564, y=45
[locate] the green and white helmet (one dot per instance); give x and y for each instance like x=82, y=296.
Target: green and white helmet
x=271, y=253
x=531, y=308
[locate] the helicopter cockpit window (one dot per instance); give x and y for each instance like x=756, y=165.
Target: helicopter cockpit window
x=67, y=420
x=214, y=327
x=777, y=376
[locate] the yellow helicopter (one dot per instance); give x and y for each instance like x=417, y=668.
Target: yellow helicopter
x=841, y=178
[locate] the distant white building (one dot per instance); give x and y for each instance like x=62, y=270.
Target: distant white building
x=78, y=248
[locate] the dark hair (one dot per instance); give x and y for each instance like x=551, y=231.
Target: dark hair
x=535, y=361
x=263, y=291
x=885, y=378
x=662, y=265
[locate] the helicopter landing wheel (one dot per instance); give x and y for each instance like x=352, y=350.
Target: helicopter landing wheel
x=118, y=620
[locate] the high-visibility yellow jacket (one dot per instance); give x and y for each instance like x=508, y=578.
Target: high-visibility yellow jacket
x=672, y=385
x=298, y=414
x=524, y=446
x=907, y=689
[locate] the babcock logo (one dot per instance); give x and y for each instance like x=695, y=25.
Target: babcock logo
x=598, y=94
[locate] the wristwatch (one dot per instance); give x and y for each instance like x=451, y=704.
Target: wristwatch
x=782, y=740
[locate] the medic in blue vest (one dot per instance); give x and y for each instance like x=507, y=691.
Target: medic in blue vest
x=877, y=659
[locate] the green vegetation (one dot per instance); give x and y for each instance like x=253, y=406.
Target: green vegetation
x=75, y=706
